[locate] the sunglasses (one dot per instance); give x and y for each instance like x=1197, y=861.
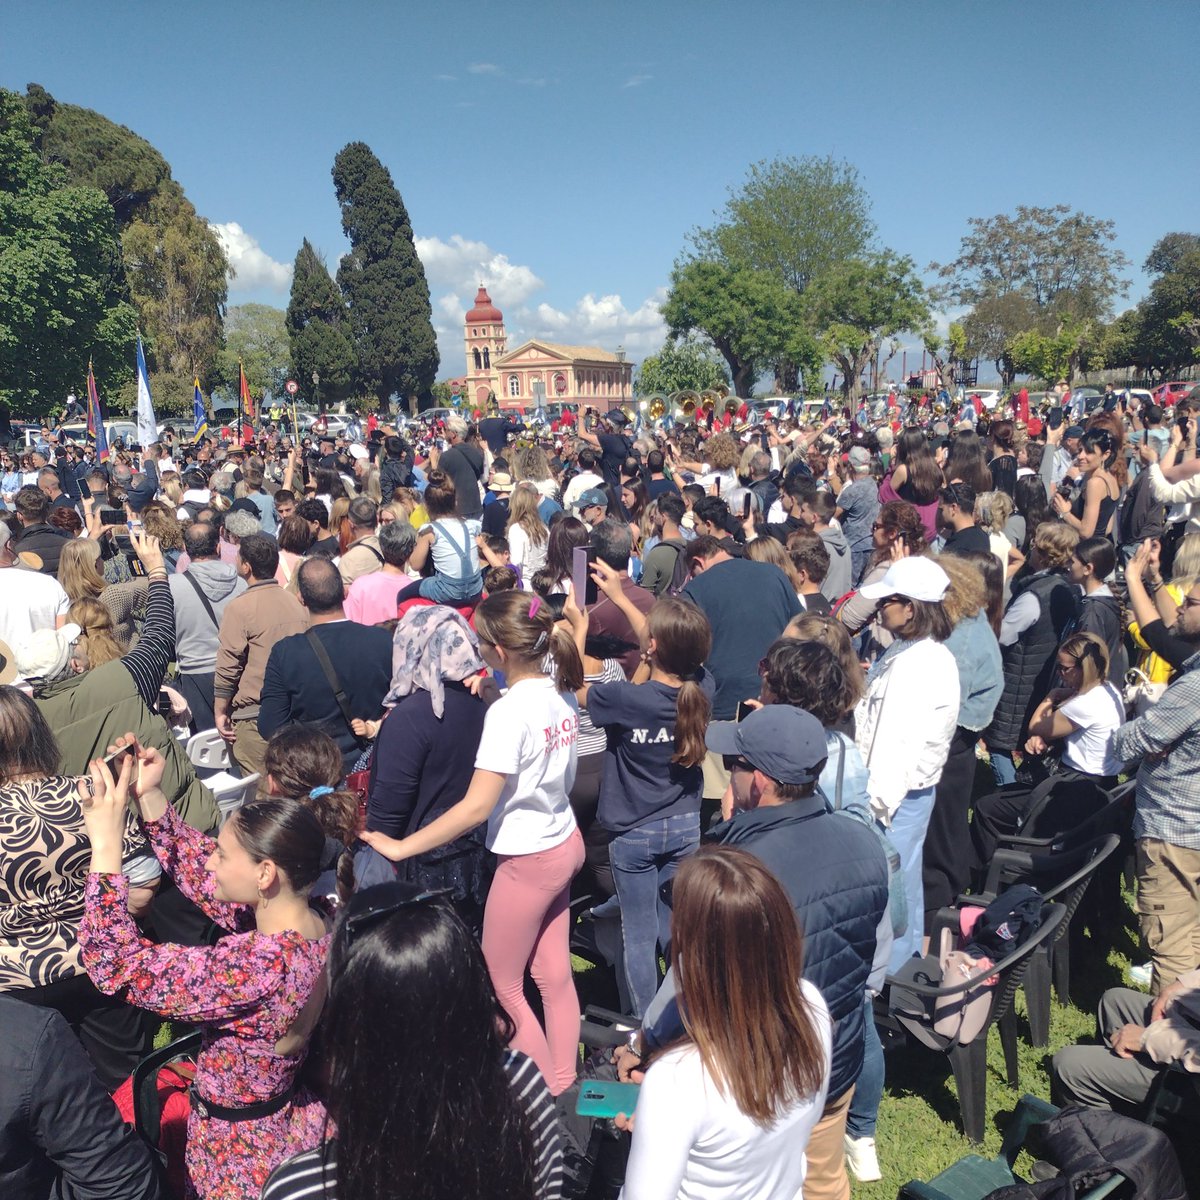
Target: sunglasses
x=372, y=914
x=893, y=600
x=735, y=762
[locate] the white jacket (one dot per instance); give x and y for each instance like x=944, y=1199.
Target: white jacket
x=1187, y=492
x=903, y=725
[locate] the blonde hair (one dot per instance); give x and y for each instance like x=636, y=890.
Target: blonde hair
x=523, y=511
x=992, y=510
x=770, y=550
x=1185, y=570
x=97, y=633
x=1055, y=542
x=79, y=570
x=721, y=452
x=967, y=593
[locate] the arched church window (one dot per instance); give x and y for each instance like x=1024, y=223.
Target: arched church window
x=478, y=360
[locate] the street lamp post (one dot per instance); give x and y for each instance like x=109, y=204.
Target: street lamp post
x=317, y=391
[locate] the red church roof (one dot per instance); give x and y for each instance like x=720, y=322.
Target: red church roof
x=484, y=312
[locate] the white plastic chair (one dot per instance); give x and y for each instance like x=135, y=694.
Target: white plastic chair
x=209, y=751
x=230, y=793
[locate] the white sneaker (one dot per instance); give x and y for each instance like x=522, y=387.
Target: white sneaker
x=1141, y=974
x=862, y=1159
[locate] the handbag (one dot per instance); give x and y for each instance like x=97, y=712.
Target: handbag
x=1140, y=694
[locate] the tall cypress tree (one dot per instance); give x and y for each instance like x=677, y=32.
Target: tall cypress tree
x=318, y=329
x=383, y=281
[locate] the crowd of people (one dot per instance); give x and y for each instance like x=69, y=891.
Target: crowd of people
x=706, y=699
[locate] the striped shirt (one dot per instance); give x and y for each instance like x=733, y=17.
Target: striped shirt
x=1167, y=740
x=313, y=1175
x=147, y=661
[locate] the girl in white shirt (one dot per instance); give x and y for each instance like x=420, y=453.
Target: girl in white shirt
x=528, y=537
x=726, y=1113
x=524, y=770
x=1084, y=713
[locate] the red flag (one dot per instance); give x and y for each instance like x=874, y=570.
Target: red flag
x=95, y=418
x=247, y=407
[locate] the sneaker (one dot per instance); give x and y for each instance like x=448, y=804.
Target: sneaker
x=862, y=1159
x=1141, y=974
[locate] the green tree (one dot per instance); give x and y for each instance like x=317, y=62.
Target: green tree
x=256, y=336
x=383, y=282
x=318, y=330
x=949, y=354
x=794, y=218
x=678, y=365
x=751, y=319
x=62, y=296
x=990, y=326
x=174, y=264
x=1075, y=346
x=1169, y=317
x=859, y=305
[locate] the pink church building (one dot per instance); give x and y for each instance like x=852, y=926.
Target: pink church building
x=586, y=376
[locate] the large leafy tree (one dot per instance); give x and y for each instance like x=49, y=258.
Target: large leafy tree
x=1044, y=270
x=318, y=330
x=174, y=264
x=792, y=221
x=751, y=318
x=255, y=336
x=1169, y=317
x=62, y=293
x=680, y=364
x=860, y=304
x=383, y=281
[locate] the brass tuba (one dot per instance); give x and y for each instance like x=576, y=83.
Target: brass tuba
x=657, y=407
x=732, y=405
x=708, y=400
x=686, y=401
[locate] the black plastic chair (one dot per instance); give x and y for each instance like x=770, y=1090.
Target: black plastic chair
x=1114, y=816
x=147, y=1110
x=1062, y=876
x=969, y=1062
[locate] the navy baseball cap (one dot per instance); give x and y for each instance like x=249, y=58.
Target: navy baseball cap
x=591, y=497
x=1073, y=431
x=786, y=744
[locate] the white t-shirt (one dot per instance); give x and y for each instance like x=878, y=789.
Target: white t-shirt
x=1099, y=712
x=529, y=735
x=523, y=552
x=29, y=601
x=694, y=1143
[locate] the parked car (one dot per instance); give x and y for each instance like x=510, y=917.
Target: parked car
x=988, y=397
x=334, y=423
x=1167, y=394
x=125, y=430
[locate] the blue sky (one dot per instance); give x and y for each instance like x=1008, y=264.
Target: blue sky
x=562, y=151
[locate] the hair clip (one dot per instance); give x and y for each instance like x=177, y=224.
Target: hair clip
x=319, y=791
x=534, y=606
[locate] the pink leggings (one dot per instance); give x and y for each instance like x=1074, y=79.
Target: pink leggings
x=526, y=923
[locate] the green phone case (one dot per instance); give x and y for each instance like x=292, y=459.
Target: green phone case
x=604, y=1098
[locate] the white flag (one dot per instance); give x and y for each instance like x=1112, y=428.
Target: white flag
x=147, y=425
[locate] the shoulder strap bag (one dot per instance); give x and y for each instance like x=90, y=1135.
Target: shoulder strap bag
x=331, y=677
x=208, y=608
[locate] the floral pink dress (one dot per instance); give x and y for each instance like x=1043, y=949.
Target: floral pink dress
x=244, y=993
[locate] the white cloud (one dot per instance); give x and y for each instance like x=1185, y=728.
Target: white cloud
x=602, y=321
x=483, y=68
x=445, y=78
x=636, y=81
x=460, y=265
x=253, y=269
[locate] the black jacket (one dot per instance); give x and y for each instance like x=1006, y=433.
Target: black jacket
x=1088, y=1144
x=1029, y=661
x=834, y=871
x=1101, y=615
x=394, y=473
x=60, y=1132
x=45, y=541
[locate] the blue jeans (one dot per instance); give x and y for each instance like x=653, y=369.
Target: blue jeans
x=907, y=832
x=446, y=590
x=1004, y=770
x=642, y=860
x=863, y=1113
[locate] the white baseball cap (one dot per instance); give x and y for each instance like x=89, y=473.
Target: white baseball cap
x=358, y=452
x=43, y=654
x=917, y=578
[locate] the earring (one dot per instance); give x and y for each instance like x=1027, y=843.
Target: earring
x=263, y=899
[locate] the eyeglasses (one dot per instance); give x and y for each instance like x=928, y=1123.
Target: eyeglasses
x=371, y=914
x=735, y=762
x=894, y=600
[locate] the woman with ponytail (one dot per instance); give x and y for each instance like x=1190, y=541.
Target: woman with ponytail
x=651, y=787
x=305, y=764
x=524, y=769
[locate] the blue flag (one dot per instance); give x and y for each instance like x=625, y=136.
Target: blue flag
x=199, y=417
x=147, y=424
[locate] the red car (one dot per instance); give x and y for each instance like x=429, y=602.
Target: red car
x=1167, y=393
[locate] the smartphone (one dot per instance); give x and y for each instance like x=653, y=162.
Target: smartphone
x=717, y=484
x=112, y=516
x=1054, y=418
x=164, y=703
x=117, y=757
x=606, y=1098
x=582, y=558
x=747, y=505
x=744, y=709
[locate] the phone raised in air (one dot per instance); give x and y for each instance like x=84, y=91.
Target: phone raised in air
x=582, y=558
x=744, y=709
x=747, y=505
x=112, y=516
